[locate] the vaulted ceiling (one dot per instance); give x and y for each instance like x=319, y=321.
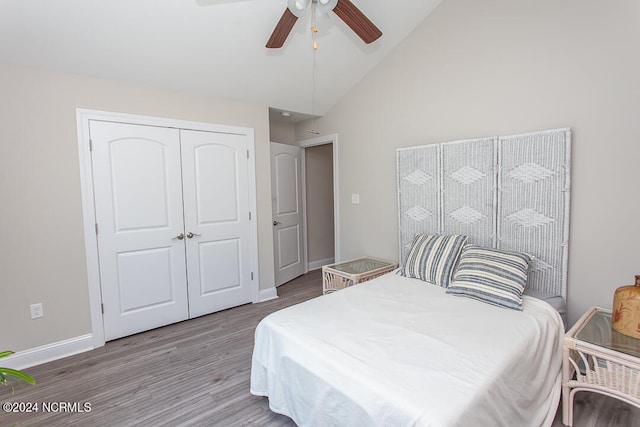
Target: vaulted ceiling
x=214, y=47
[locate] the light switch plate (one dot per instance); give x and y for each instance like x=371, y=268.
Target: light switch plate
x=36, y=311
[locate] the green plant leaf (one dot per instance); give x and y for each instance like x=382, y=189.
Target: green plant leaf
x=18, y=374
x=6, y=353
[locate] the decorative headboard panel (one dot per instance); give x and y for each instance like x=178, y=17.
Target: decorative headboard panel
x=508, y=192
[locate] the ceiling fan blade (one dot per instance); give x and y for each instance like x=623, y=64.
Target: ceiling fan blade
x=357, y=21
x=282, y=30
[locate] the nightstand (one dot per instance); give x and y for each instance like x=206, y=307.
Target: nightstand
x=599, y=359
x=341, y=275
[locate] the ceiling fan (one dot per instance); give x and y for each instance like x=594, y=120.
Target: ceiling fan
x=347, y=11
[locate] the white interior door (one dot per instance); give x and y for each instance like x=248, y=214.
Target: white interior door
x=217, y=223
x=286, y=190
x=138, y=202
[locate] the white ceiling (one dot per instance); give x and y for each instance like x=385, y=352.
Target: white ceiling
x=214, y=47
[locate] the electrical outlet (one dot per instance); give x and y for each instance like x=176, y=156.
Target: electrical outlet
x=36, y=310
x=355, y=199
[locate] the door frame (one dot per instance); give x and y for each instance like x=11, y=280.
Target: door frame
x=83, y=116
x=312, y=142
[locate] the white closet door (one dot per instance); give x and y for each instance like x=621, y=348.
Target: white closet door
x=217, y=224
x=138, y=199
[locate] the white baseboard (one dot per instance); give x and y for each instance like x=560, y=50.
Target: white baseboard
x=49, y=352
x=267, y=294
x=314, y=265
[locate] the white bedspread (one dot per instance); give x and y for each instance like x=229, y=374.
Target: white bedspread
x=400, y=352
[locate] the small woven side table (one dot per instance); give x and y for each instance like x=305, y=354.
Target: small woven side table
x=341, y=275
x=599, y=359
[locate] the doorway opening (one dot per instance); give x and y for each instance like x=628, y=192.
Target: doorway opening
x=319, y=205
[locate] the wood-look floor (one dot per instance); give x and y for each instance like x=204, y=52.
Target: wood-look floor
x=196, y=373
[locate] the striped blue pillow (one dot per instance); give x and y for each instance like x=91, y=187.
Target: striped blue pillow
x=432, y=258
x=490, y=275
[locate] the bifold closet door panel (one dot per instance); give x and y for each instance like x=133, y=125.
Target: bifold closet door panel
x=139, y=215
x=217, y=223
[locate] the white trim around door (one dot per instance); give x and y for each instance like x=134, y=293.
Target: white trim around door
x=83, y=116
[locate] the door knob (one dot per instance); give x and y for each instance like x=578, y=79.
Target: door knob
x=276, y=223
x=191, y=235
x=179, y=236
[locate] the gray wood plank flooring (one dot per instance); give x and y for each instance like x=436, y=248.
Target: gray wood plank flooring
x=595, y=410
x=196, y=373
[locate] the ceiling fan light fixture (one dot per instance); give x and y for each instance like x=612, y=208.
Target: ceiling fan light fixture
x=298, y=7
x=344, y=9
x=326, y=6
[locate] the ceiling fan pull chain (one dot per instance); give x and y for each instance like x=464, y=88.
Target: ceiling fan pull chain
x=314, y=29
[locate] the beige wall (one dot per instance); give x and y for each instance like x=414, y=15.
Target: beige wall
x=319, y=189
x=41, y=241
x=497, y=67
x=284, y=133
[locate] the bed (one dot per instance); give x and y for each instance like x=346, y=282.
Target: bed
x=464, y=333
x=395, y=351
